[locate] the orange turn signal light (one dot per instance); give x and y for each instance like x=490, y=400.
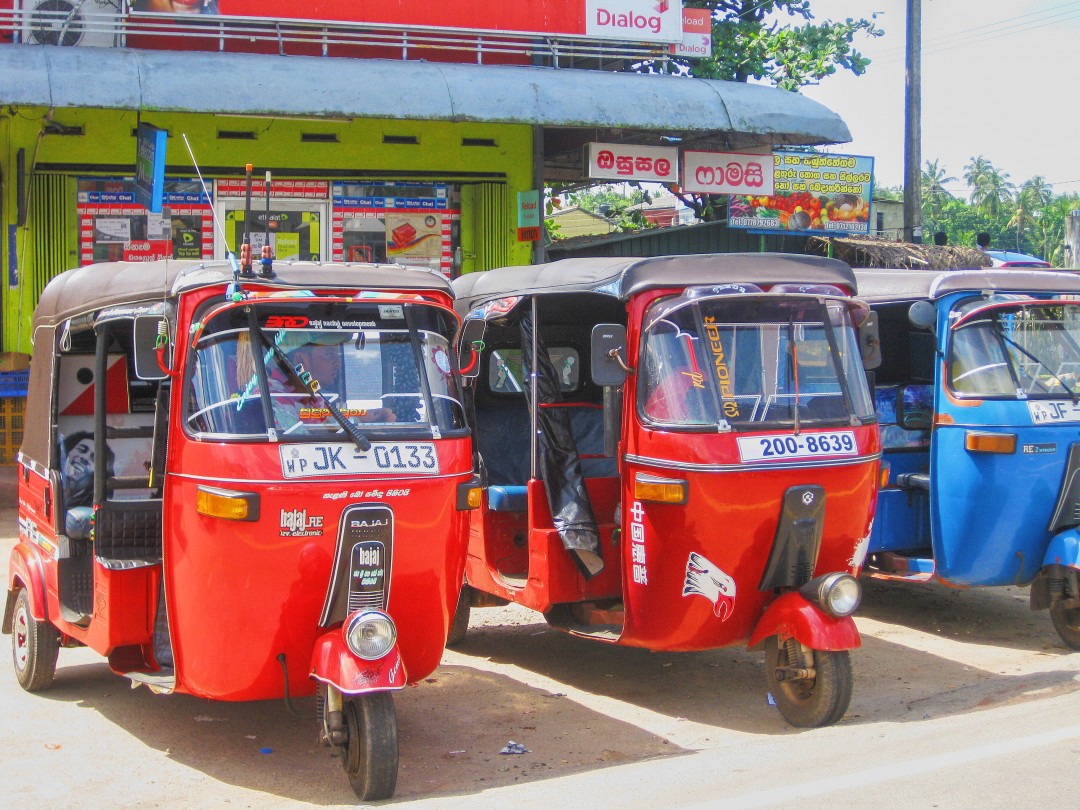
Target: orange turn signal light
x=227, y=504
x=660, y=490
x=1004, y=443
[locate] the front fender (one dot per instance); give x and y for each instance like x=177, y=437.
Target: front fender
x=1060, y=570
x=1064, y=549
x=334, y=663
x=792, y=616
x=25, y=570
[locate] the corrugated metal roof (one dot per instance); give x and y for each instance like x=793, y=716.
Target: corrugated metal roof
x=115, y=78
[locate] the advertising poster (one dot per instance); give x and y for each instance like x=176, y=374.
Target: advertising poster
x=412, y=237
x=811, y=193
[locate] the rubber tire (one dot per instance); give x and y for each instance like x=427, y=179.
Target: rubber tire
x=40, y=645
x=1067, y=624
x=370, y=757
x=811, y=703
x=459, y=624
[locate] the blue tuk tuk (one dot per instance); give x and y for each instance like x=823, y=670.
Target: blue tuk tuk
x=978, y=397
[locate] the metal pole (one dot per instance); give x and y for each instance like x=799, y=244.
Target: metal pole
x=913, y=126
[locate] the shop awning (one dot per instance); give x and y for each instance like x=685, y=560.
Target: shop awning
x=573, y=106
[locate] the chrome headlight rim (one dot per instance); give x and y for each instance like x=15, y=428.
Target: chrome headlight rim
x=369, y=618
x=827, y=592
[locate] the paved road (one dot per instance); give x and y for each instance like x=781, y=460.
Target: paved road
x=960, y=698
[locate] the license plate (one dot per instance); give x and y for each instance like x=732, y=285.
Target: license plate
x=344, y=458
x=784, y=446
x=1043, y=411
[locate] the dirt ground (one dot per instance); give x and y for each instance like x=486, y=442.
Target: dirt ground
x=929, y=653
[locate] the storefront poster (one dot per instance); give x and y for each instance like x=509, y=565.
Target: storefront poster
x=114, y=227
x=811, y=193
x=413, y=236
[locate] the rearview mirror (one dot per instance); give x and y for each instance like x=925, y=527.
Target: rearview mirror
x=870, y=341
x=915, y=407
x=470, y=345
x=147, y=330
x=608, y=347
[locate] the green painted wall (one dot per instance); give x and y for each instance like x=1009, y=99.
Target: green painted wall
x=491, y=163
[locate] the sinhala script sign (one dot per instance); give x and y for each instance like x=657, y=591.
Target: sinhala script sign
x=617, y=161
x=727, y=173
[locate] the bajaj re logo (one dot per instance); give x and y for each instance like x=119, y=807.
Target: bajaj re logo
x=297, y=523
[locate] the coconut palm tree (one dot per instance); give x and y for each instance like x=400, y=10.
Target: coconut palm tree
x=991, y=191
x=934, y=193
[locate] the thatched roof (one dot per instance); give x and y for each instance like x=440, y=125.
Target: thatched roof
x=875, y=251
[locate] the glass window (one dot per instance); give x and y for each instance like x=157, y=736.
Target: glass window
x=1015, y=348
x=729, y=362
x=385, y=367
x=506, y=373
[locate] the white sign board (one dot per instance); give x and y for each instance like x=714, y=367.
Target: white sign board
x=727, y=173
x=616, y=161
x=635, y=20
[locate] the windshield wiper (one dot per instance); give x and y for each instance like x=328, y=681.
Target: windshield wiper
x=1001, y=333
x=361, y=441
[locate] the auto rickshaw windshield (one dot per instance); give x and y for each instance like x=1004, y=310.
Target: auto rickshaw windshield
x=1016, y=348
x=739, y=362
x=386, y=367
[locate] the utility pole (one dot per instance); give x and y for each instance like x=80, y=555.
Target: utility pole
x=913, y=125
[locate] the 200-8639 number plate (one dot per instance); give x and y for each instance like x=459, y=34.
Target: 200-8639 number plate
x=344, y=458
x=784, y=446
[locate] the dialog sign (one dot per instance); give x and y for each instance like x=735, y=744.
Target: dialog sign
x=345, y=458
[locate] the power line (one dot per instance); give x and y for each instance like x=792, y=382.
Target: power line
x=994, y=30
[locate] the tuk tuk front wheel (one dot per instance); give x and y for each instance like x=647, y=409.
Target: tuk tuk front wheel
x=370, y=756
x=1067, y=623
x=34, y=647
x=818, y=699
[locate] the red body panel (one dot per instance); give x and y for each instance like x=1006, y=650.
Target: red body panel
x=245, y=594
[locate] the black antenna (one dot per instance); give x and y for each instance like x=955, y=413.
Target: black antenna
x=245, y=249
x=266, y=263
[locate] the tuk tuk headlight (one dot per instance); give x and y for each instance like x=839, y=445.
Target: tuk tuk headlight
x=836, y=594
x=370, y=634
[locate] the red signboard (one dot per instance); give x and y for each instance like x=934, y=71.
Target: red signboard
x=625, y=20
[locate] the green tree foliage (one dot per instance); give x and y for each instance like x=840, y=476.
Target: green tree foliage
x=777, y=41
x=1027, y=219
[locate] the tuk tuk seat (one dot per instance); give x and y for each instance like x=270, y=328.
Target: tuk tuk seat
x=914, y=481
x=507, y=498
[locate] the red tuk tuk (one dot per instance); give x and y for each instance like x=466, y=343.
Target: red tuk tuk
x=246, y=486
x=677, y=453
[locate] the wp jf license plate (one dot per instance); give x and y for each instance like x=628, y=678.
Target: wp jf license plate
x=344, y=458
x=784, y=446
x=1052, y=410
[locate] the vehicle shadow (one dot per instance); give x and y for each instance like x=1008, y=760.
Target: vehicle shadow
x=993, y=616
x=451, y=731
x=725, y=689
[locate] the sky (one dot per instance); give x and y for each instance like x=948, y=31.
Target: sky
x=997, y=80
